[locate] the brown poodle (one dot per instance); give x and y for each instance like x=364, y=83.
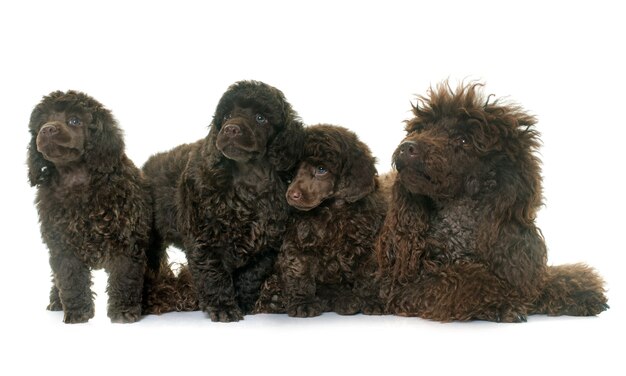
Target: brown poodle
x=222, y=199
x=460, y=240
x=327, y=261
x=94, y=207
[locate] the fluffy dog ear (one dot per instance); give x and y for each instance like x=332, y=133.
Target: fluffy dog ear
x=518, y=190
x=104, y=144
x=519, y=194
x=358, y=176
x=39, y=169
x=210, y=153
x=286, y=147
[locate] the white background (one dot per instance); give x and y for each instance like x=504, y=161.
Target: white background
x=161, y=68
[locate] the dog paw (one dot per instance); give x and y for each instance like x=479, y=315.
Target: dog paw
x=78, y=317
x=588, y=303
x=271, y=305
x=503, y=314
x=276, y=304
x=55, y=306
x=305, y=310
x=512, y=318
x=509, y=315
x=225, y=314
x=348, y=306
x=373, y=309
x=125, y=316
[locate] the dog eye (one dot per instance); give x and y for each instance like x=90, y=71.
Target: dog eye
x=74, y=121
x=320, y=171
x=261, y=119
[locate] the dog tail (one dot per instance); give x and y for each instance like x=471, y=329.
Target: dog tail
x=574, y=290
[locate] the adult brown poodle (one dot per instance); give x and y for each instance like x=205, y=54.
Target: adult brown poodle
x=222, y=199
x=327, y=261
x=460, y=240
x=94, y=208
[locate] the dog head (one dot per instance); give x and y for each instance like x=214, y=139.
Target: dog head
x=462, y=144
x=335, y=165
x=254, y=121
x=71, y=128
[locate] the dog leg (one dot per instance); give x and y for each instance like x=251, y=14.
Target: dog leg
x=459, y=292
x=298, y=272
x=73, y=283
x=214, y=284
x=271, y=298
x=346, y=303
x=125, y=288
x=248, y=280
x=55, y=300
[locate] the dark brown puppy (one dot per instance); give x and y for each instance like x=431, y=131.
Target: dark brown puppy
x=94, y=206
x=460, y=241
x=222, y=199
x=327, y=261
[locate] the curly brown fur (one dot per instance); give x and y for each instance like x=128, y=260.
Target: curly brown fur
x=94, y=207
x=460, y=241
x=222, y=201
x=327, y=261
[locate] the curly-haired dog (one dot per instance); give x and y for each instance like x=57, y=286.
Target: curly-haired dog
x=460, y=241
x=94, y=207
x=222, y=199
x=327, y=261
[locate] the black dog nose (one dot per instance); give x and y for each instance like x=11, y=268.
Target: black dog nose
x=231, y=130
x=49, y=130
x=408, y=149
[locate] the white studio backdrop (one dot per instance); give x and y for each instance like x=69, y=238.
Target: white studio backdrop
x=161, y=67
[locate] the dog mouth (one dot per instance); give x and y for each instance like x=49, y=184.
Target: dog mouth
x=56, y=153
x=416, y=180
x=303, y=206
x=236, y=152
x=411, y=171
x=233, y=152
x=238, y=148
x=417, y=174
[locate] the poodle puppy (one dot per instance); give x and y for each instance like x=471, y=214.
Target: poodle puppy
x=222, y=198
x=460, y=241
x=94, y=207
x=327, y=261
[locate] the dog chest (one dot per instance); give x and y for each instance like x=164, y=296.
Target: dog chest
x=243, y=224
x=454, y=232
x=94, y=227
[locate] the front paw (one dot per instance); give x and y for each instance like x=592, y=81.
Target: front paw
x=510, y=315
x=55, y=300
x=125, y=316
x=305, y=309
x=269, y=304
x=588, y=303
x=230, y=313
x=348, y=305
x=55, y=305
x=78, y=316
x=276, y=304
x=373, y=309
